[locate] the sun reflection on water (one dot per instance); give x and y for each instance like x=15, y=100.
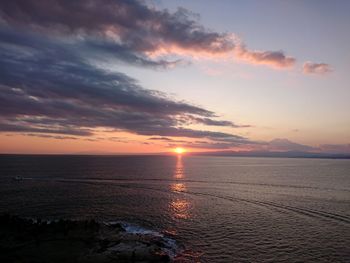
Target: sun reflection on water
x=179, y=206
x=179, y=168
x=178, y=187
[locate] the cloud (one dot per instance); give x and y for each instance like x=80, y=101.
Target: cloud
x=52, y=70
x=211, y=122
x=276, y=59
x=57, y=137
x=133, y=32
x=52, y=82
x=168, y=140
x=316, y=68
x=48, y=88
x=160, y=139
x=206, y=145
x=19, y=126
x=131, y=23
x=224, y=143
x=104, y=49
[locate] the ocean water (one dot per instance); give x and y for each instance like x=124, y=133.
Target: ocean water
x=217, y=209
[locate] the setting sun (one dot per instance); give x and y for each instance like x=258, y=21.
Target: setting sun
x=179, y=150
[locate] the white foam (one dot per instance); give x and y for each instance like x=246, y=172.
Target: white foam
x=170, y=246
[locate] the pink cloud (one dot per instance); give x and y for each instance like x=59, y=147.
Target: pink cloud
x=316, y=68
x=275, y=59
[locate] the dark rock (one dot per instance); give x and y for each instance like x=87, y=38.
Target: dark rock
x=26, y=240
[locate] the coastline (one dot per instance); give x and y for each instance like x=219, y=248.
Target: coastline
x=81, y=241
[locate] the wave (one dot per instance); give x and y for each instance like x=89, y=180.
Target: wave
x=98, y=179
x=126, y=184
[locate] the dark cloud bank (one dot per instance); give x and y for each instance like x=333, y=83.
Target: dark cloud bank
x=51, y=84
x=132, y=31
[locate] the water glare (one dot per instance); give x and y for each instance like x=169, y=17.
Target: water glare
x=179, y=205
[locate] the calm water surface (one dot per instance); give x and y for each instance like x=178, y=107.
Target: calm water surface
x=222, y=209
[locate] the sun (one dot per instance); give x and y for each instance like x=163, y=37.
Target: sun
x=179, y=150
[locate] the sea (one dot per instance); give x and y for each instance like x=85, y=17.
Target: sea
x=215, y=209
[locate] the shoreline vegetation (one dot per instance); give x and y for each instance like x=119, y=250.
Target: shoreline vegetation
x=83, y=241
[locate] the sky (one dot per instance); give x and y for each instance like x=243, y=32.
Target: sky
x=149, y=76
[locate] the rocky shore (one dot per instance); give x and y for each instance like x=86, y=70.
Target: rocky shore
x=28, y=240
